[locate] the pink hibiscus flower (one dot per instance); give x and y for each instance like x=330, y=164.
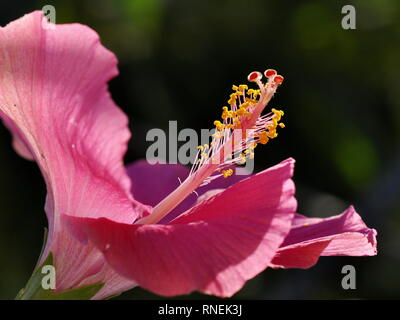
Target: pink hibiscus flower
x=138, y=225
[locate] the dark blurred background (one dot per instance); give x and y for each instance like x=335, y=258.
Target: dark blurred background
x=178, y=60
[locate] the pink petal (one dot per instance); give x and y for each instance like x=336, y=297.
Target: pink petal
x=214, y=247
x=151, y=183
x=310, y=238
x=78, y=265
x=54, y=99
x=19, y=144
x=70, y=124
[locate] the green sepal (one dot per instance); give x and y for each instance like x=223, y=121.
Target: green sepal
x=34, y=285
x=80, y=293
x=35, y=291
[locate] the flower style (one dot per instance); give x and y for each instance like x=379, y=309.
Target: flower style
x=138, y=225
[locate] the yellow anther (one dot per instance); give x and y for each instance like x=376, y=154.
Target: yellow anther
x=225, y=115
x=252, y=145
x=253, y=93
x=242, y=111
x=237, y=123
x=200, y=148
x=227, y=173
x=273, y=134
x=263, y=137
x=264, y=140
x=277, y=114
x=245, y=105
x=242, y=103
x=250, y=100
x=242, y=158
x=220, y=126
x=204, y=155
x=218, y=134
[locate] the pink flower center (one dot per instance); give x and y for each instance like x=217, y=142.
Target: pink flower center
x=238, y=132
